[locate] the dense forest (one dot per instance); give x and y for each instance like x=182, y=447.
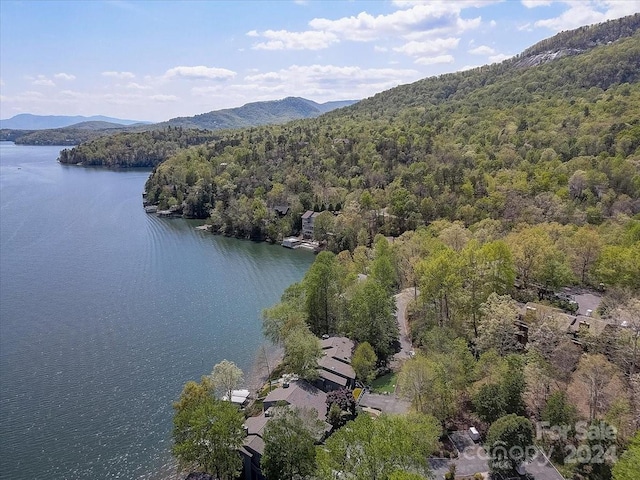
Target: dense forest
x=479, y=194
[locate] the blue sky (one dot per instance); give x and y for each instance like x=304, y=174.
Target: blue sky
x=155, y=60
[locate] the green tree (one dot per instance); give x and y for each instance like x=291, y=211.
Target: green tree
x=371, y=318
x=558, y=412
x=285, y=316
x=321, y=289
x=226, y=376
x=497, y=329
x=489, y=402
x=441, y=285
x=323, y=225
x=289, y=445
x=207, y=432
x=628, y=465
x=302, y=350
x=364, y=361
x=509, y=443
x=382, y=269
x=374, y=449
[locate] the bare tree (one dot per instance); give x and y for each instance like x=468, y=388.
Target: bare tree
x=226, y=377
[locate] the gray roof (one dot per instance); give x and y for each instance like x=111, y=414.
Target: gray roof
x=307, y=214
x=254, y=443
x=332, y=377
x=255, y=425
x=300, y=394
x=334, y=365
x=338, y=347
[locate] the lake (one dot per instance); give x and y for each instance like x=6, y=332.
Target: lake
x=105, y=312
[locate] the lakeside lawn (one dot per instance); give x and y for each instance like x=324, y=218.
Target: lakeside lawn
x=385, y=383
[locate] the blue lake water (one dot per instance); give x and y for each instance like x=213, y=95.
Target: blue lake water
x=105, y=312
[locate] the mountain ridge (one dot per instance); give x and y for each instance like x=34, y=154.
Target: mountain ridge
x=29, y=121
x=257, y=113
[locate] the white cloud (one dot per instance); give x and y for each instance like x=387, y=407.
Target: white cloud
x=536, y=3
x=435, y=46
x=265, y=77
x=163, y=98
x=200, y=72
x=493, y=23
x=64, y=76
x=2, y=84
x=421, y=17
x=482, y=50
x=284, y=40
x=414, y=20
x=319, y=82
x=435, y=60
x=136, y=86
x=43, y=81
x=589, y=12
x=122, y=75
x=380, y=49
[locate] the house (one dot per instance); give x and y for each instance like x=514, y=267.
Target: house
x=296, y=394
x=239, y=397
x=572, y=325
x=334, y=367
x=281, y=210
x=308, y=218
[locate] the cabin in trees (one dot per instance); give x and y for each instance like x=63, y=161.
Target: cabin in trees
x=572, y=325
x=295, y=394
x=281, y=210
x=334, y=367
x=308, y=218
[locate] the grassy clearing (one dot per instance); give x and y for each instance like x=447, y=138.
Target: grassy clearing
x=385, y=383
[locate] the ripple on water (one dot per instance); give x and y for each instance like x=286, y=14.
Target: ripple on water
x=108, y=312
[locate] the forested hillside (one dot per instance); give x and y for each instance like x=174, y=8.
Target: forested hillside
x=499, y=187
x=557, y=142
x=129, y=149
x=256, y=113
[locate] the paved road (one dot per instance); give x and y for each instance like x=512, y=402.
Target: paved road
x=402, y=300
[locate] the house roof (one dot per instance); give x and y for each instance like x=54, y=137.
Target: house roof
x=332, y=377
x=238, y=396
x=338, y=347
x=254, y=443
x=255, y=425
x=336, y=366
x=281, y=209
x=594, y=325
x=302, y=395
x=307, y=214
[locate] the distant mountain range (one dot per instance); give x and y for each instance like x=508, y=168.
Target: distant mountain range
x=258, y=113
x=27, y=121
x=30, y=129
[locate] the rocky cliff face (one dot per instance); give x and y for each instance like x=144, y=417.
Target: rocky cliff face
x=545, y=57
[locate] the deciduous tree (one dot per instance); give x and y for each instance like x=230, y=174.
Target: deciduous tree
x=289, y=444
x=509, y=443
x=226, y=377
x=207, y=432
x=373, y=449
x=364, y=361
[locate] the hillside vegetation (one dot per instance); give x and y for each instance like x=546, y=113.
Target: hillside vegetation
x=500, y=186
x=256, y=113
